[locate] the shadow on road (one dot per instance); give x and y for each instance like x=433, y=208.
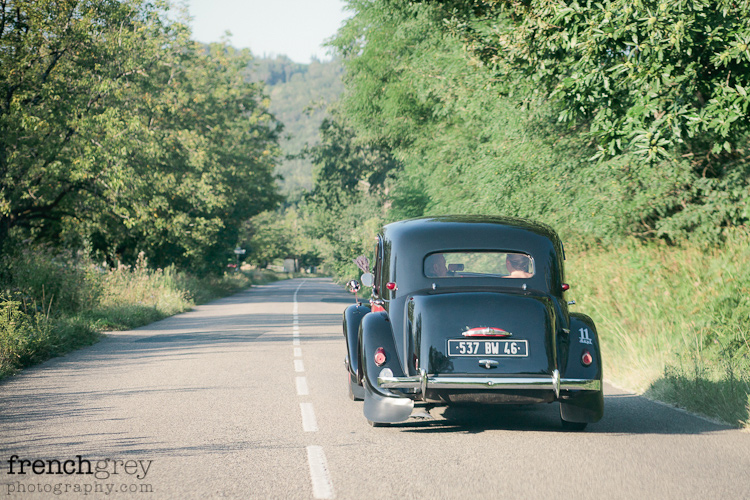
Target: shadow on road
x=28, y=414
x=624, y=413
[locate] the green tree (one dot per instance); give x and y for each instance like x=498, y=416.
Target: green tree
x=346, y=167
x=206, y=165
x=663, y=85
x=347, y=204
x=477, y=100
x=281, y=234
x=63, y=69
x=121, y=134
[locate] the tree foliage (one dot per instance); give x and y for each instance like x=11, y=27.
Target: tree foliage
x=120, y=134
x=602, y=119
x=346, y=206
x=651, y=77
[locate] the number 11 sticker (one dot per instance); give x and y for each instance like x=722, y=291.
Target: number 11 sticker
x=585, y=337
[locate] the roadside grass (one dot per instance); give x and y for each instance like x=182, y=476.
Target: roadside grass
x=50, y=306
x=674, y=322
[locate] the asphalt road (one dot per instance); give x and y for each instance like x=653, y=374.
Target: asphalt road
x=246, y=398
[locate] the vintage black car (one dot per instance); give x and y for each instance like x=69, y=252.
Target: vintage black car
x=470, y=309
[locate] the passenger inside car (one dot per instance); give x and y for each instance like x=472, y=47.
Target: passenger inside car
x=518, y=266
x=434, y=265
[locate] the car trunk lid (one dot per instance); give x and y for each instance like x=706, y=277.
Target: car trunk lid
x=482, y=333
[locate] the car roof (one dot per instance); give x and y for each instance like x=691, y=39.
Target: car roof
x=408, y=242
x=471, y=230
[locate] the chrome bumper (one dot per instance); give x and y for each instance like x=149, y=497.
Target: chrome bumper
x=553, y=383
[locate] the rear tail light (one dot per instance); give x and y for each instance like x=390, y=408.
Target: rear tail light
x=391, y=286
x=380, y=356
x=587, y=358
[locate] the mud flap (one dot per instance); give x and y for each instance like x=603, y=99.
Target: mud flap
x=383, y=409
x=586, y=407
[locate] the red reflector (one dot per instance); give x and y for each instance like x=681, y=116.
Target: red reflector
x=565, y=287
x=390, y=285
x=587, y=358
x=380, y=356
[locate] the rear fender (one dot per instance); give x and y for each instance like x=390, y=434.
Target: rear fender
x=381, y=405
x=582, y=406
x=352, y=317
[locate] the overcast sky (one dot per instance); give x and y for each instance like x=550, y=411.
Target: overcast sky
x=296, y=28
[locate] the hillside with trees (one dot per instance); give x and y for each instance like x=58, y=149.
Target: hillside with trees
x=300, y=95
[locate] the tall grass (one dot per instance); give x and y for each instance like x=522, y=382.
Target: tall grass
x=674, y=322
x=51, y=305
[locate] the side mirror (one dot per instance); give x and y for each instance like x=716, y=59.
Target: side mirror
x=353, y=286
x=368, y=279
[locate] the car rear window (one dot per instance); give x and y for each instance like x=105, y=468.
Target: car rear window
x=489, y=264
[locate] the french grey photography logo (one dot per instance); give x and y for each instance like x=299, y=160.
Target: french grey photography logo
x=77, y=475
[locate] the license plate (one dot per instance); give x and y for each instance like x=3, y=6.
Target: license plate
x=506, y=348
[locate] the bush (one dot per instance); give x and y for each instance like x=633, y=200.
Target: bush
x=673, y=321
x=50, y=305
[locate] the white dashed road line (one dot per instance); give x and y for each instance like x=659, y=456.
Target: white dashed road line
x=316, y=458
x=309, y=423
x=321, y=479
x=302, y=389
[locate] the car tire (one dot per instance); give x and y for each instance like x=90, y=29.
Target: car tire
x=354, y=389
x=573, y=426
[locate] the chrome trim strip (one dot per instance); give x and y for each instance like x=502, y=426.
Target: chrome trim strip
x=424, y=381
x=580, y=384
x=556, y=382
x=487, y=332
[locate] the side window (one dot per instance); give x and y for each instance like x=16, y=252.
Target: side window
x=378, y=267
